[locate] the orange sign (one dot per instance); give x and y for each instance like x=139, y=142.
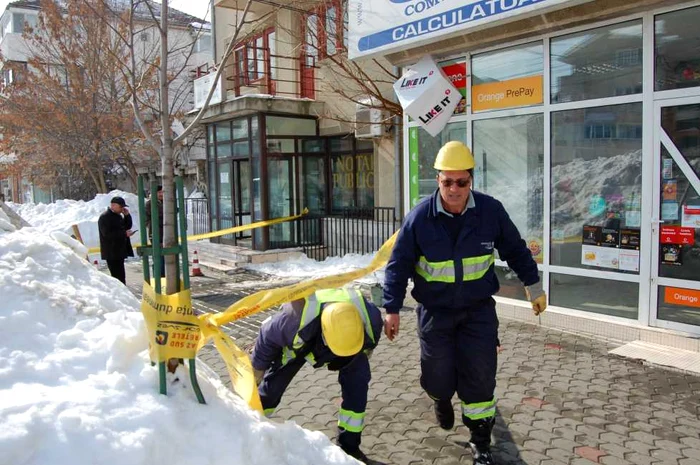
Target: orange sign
x=685, y=297
x=506, y=94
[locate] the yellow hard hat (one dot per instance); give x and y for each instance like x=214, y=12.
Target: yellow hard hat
x=454, y=156
x=342, y=328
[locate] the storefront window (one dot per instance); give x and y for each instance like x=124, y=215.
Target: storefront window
x=313, y=146
x=422, y=149
x=353, y=181
x=596, y=188
x=509, y=155
x=510, y=285
x=677, y=53
x=508, y=78
x=594, y=295
x=280, y=146
x=240, y=128
x=223, y=150
x=314, y=184
x=285, y=126
x=240, y=149
x=223, y=131
x=603, y=62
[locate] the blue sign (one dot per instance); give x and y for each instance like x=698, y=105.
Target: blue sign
x=447, y=20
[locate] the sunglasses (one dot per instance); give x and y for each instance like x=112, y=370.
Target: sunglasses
x=461, y=183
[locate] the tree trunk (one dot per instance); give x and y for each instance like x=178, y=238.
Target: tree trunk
x=166, y=156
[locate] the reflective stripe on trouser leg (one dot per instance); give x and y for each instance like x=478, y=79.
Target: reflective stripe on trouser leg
x=269, y=411
x=351, y=421
x=479, y=410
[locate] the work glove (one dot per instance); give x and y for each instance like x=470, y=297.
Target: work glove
x=537, y=298
x=539, y=304
x=259, y=374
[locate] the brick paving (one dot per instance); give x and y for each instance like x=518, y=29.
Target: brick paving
x=561, y=398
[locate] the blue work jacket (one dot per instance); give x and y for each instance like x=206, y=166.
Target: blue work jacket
x=453, y=275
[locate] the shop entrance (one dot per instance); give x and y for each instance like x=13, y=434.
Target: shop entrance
x=675, y=266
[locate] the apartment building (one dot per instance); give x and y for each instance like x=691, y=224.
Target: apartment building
x=281, y=133
x=186, y=32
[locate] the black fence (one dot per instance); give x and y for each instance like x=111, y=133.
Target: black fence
x=354, y=230
x=197, y=215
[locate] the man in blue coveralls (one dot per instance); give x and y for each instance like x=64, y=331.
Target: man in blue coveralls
x=337, y=328
x=446, y=246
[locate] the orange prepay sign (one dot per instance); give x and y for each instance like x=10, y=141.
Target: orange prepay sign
x=506, y=94
x=685, y=297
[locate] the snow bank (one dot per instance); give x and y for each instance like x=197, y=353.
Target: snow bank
x=76, y=385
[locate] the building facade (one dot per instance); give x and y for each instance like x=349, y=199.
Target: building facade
x=190, y=45
x=281, y=137
x=584, y=119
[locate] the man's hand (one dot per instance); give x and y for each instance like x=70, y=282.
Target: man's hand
x=539, y=304
x=259, y=374
x=125, y=211
x=130, y=233
x=391, y=325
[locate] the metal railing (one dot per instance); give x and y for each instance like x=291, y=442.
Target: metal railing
x=353, y=230
x=197, y=216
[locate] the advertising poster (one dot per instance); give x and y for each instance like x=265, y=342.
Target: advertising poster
x=677, y=235
x=630, y=240
x=612, y=248
x=670, y=190
x=669, y=211
x=684, y=297
x=667, y=169
x=691, y=216
x=518, y=92
x=456, y=72
x=671, y=254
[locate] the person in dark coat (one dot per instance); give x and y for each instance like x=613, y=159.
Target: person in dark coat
x=335, y=328
x=115, y=231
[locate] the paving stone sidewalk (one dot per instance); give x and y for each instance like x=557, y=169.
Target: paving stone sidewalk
x=561, y=398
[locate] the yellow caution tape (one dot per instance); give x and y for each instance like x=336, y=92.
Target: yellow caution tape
x=223, y=232
x=175, y=332
x=237, y=362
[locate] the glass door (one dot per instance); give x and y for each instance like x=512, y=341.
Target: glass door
x=281, y=173
x=226, y=219
x=675, y=272
x=241, y=207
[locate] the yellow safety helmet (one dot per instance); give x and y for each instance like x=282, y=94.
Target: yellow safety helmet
x=454, y=156
x=342, y=328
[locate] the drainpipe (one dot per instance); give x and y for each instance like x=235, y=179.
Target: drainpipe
x=398, y=158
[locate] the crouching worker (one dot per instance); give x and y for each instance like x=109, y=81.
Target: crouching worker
x=336, y=328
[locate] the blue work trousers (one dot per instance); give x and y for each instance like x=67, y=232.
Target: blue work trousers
x=458, y=352
x=354, y=383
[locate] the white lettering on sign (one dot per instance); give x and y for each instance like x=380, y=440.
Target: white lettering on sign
x=686, y=298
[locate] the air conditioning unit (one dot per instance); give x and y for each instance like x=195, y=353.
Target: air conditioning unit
x=369, y=122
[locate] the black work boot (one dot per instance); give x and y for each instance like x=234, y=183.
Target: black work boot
x=357, y=454
x=480, y=442
x=482, y=454
x=444, y=413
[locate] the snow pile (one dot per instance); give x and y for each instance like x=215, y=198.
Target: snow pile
x=63, y=214
x=305, y=267
x=76, y=385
